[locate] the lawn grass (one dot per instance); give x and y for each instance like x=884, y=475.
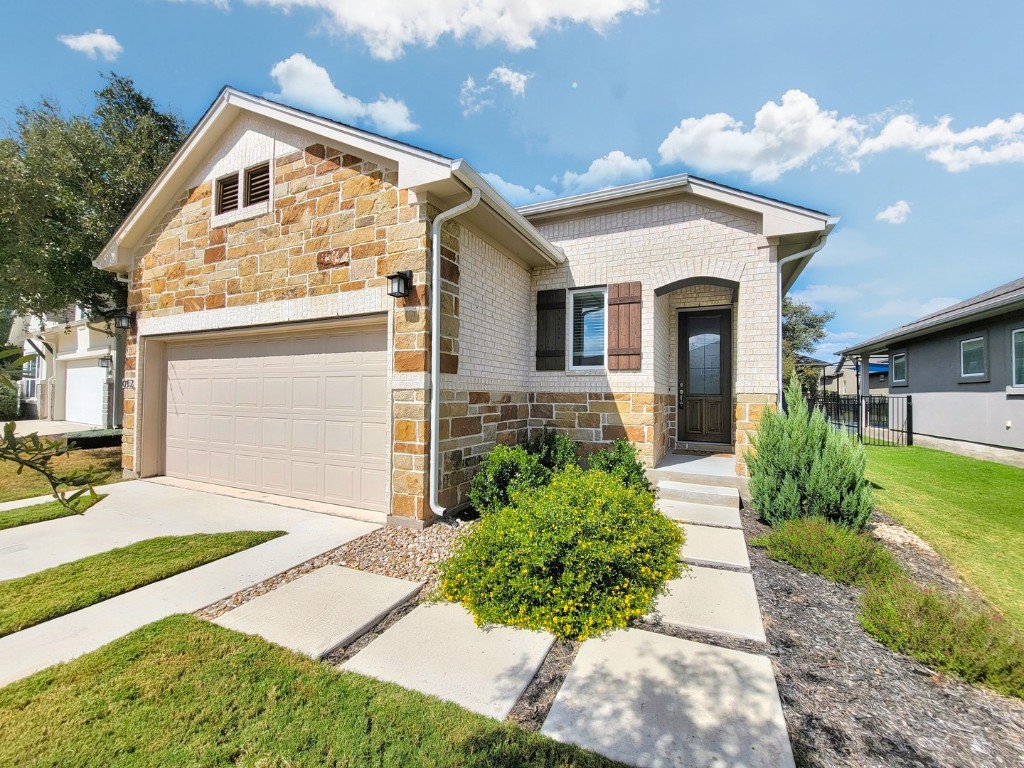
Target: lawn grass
x=28, y=483
x=42, y=596
x=970, y=511
x=182, y=692
x=48, y=510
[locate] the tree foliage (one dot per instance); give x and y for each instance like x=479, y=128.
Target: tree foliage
x=66, y=183
x=803, y=330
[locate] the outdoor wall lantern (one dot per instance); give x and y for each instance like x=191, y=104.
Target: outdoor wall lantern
x=399, y=284
x=123, y=321
x=106, y=362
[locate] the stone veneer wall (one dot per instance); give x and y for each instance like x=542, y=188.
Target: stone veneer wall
x=338, y=225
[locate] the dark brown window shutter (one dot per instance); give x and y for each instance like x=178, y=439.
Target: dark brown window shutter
x=227, y=194
x=551, y=330
x=257, y=184
x=624, y=310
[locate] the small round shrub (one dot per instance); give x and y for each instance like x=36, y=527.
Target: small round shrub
x=621, y=461
x=504, y=472
x=815, y=545
x=578, y=557
x=8, y=404
x=556, y=450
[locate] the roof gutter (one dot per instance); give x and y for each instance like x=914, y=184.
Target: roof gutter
x=435, y=344
x=805, y=255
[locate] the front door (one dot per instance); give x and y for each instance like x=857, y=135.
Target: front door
x=705, y=377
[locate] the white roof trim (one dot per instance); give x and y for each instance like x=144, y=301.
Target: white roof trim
x=779, y=218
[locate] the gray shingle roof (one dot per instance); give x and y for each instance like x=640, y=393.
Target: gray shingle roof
x=1005, y=296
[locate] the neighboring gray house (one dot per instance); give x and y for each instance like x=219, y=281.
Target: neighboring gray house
x=964, y=366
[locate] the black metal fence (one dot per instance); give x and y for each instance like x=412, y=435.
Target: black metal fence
x=873, y=419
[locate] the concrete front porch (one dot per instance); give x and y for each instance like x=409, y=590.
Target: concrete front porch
x=703, y=469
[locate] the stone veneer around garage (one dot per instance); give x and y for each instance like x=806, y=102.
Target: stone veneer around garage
x=338, y=225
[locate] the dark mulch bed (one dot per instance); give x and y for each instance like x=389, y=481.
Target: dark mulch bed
x=849, y=701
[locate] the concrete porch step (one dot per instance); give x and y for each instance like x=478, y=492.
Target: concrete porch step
x=700, y=514
x=670, y=490
x=715, y=547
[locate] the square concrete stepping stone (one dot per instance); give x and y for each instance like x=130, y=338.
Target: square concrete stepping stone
x=323, y=610
x=700, y=514
x=651, y=700
x=715, y=546
x=438, y=650
x=712, y=600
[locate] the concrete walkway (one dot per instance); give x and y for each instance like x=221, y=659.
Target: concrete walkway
x=140, y=510
x=48, y=427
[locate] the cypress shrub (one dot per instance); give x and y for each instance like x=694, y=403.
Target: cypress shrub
x=803, y=467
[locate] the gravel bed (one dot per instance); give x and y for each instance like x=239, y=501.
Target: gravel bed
x=402, y=553
x=849, y=701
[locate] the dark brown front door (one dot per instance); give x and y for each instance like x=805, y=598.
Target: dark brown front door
x=705, y=376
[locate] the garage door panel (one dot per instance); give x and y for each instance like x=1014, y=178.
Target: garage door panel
x=302, y=415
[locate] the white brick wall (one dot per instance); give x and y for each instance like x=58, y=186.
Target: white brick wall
x=658, y=245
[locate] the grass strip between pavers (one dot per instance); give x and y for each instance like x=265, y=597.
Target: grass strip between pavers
x=182, y=692
x=45, y=595
x=40, y=513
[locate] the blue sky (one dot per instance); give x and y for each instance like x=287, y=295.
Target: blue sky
x=909, y=111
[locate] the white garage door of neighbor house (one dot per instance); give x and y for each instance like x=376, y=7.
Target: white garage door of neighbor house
x=83, y=391
x=301, y=415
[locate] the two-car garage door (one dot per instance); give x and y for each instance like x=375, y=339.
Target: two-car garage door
x=300, y=415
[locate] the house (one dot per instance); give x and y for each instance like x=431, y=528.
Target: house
x=73, y=371
x=843, y=377
x=964, y=367
x=286, y=322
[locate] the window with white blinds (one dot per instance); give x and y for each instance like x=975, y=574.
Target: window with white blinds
x=588, y=321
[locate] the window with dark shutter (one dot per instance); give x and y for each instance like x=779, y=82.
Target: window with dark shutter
x=257, y=184
x=624, y=341
x=551, y=330
x=227, y=194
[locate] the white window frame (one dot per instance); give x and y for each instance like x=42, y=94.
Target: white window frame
x=248, y=211
x=984, y=358
x=892, y=367
x=1013, y=359
x=603, y=289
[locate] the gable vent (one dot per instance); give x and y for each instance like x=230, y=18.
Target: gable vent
x=257, y=184
x=227, y=194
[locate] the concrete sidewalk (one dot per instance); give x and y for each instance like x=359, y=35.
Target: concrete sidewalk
x=140, y=510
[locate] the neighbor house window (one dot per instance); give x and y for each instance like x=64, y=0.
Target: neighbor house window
x=899, y=368
x=972, y=357
x=587, y=310
x=1018, y=357
x=240, y=190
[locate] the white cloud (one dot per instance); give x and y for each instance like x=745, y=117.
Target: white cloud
x=514, y=81
x=302, y=81
x=609, y=171
x=388, y=26
x=94, y=44
x=784, y=136
x=896, y=213
x=516, y=193
x=821, y=296
x=999, y=141
x=473, y=96
x=906, y=310
x=797, y=131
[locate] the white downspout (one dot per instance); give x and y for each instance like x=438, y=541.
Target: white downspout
x=435, y=344
x=778, y=284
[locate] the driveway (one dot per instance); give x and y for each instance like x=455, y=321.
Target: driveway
x=46, y=427
x=141, y=510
